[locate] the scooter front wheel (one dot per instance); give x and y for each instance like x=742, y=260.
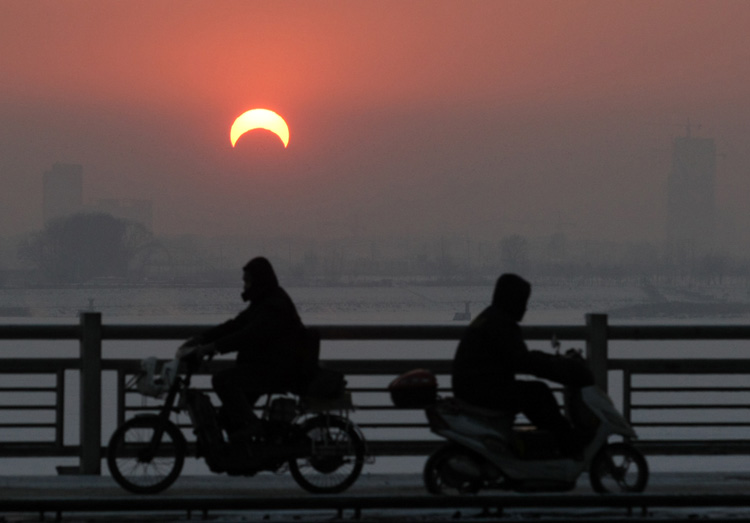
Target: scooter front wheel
x=138, y=463
x=618, y=467
x=336, y=458
x=443, y=475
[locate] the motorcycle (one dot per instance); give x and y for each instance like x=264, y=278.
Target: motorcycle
x=486, y=451
x=311, y=435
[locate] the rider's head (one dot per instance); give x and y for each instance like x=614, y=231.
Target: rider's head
x=259, y=277
x=512, y=295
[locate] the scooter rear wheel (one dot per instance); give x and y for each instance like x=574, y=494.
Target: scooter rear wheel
x=440, y=478
x=337, y=455
x=135, y=465
x=618, y=467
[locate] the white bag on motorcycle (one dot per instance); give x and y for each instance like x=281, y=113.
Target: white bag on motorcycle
x=155, y=383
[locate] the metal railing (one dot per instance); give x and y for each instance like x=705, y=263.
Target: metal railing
x=595, y=334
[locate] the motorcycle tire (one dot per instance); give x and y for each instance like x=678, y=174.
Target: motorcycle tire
x=336, y=458
x=440, y=479
x=618, y=467
x=137, y=469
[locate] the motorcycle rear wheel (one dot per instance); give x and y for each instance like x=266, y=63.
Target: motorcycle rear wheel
x=134, y=467
x=439, y=479
x=618, y=467
x=336, y=458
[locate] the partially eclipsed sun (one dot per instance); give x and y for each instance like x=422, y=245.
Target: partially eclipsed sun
x=259, y=119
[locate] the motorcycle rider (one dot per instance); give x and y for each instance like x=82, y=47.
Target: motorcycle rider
x=492, y=352
x=269, y=339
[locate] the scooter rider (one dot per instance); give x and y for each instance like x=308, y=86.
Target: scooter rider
x=269, y=339
x=492, y=352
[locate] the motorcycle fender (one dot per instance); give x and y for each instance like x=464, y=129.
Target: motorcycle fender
x=601, y=404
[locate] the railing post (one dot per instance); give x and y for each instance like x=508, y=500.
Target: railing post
x=596, y=348
x=91, y=393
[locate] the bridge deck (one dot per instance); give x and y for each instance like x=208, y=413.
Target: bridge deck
x=222, y=498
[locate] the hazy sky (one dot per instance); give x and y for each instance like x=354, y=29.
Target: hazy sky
x=476, y=118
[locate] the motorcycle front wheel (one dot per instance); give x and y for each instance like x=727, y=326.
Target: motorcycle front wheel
x=441, y=476
x=336, y=458
x=618, y=467
x=139, y=466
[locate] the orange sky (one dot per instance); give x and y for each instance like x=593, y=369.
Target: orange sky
x=468, y=117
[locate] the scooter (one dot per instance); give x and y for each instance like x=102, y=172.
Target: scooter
x=323, y=449
x=486, y=451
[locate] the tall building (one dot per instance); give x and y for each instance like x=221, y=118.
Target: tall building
x=62, y=191
x=691, y=202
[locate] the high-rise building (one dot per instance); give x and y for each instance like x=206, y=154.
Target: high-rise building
x=691, y=202
x=62, y=191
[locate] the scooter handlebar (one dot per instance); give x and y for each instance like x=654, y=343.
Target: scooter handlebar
x=570, y=369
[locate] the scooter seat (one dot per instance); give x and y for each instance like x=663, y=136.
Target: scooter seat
x=482, y=412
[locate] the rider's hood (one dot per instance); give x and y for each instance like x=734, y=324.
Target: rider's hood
x=512, y=295
x=263, y=278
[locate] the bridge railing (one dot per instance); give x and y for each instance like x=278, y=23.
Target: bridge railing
x=622, y=377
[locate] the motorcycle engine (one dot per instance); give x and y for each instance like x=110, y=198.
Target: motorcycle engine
x=283, y=410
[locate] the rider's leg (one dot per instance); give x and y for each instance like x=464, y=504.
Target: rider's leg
x=538, y=404
x=237, y=398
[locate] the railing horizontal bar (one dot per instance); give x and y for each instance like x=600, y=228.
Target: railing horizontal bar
x=671, y=390
x=403, y=447
x=28, y=389
x=40, y=332
x=681, y=366
x=383, y=390
x=344, y=332
x=393, y=367
x=38, y=365
x=41, y=449
x=28, y=407
x=392, y=425
x=704, y=448
x=691, y=406
x=387, y=407
x=394, y=332
x=26, y=426
x=689, y=424
x=678, y=332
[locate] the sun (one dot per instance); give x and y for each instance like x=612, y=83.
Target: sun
x=259, y=119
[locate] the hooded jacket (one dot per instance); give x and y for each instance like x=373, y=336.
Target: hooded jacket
x=492, y=351
x=269, y=332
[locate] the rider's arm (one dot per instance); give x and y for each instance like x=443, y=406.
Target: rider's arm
x=272, y=319
x=220, y=331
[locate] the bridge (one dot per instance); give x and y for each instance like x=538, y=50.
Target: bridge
x=41, y=425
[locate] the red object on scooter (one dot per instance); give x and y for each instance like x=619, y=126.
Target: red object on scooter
x=415, y=389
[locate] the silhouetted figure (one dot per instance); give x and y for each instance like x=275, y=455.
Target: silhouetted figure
x=269, y=339
x=492, y=352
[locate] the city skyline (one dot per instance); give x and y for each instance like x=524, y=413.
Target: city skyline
x=424, y=119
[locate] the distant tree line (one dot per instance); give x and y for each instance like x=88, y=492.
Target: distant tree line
x=90, y=246
x=82, y=247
